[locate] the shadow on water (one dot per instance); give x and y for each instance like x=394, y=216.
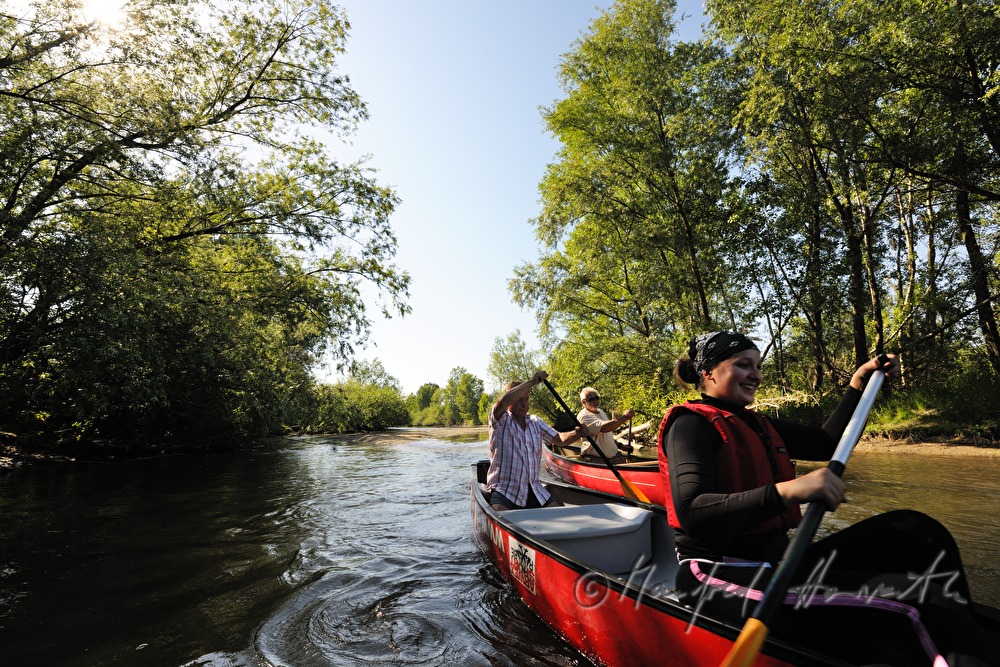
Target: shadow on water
x=138, y=563
x=323, y=554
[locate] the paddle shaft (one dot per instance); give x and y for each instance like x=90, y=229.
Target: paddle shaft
x=628, y=488
x=775, y=591
x=748, y=644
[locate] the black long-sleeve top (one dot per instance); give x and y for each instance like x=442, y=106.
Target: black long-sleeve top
x=716, y=524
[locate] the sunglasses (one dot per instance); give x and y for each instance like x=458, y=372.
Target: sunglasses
x=593, y=399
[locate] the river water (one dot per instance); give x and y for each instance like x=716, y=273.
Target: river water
x=316, y=553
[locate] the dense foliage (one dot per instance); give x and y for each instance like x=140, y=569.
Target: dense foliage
x=369, y=400
x=457, y=403
x=178, y=245
x=822, y=175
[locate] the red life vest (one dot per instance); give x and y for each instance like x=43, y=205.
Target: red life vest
x=739, y=465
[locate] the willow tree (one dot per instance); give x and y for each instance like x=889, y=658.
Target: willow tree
x=939, y=123
x=795, y=114
x=895, y=104
x=633, y=223
x=178, y=243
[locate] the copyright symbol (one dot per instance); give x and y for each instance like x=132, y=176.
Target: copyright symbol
x=590, y=590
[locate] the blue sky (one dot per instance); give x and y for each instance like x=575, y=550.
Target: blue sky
x=453, y=88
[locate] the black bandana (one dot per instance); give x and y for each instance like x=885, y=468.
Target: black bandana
x=707, y=350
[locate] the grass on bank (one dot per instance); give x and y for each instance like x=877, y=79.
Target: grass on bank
x=968, y=414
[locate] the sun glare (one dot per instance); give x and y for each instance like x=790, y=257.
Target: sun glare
x=108, y=13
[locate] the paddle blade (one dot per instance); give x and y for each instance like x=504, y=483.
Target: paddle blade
x=632, y=492
x=746, y=648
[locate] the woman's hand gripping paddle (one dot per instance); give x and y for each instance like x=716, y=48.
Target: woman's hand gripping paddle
x=627, y=487
x=747, y=646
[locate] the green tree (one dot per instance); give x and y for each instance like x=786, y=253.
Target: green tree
x=796, y=119
x=425, y=405
x=468, y=391
x=425, y=394
x=177, y=245
x=444, y=410
x=459, y=398
x=853, y=109
x=485, y=405
x=352, y=407
x=373, y=373
x=511, y=360
x=939, y=120
x=805, y=174
x=634, y=221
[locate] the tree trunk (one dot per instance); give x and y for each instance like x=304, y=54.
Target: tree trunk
x=874, y=291
x=696, y=272
x=980, y=280
x=907, y=279
x=931, y=312
x=856, y=294
x=815, y=301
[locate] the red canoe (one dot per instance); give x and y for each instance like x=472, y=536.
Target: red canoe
x=599, y=570
x=570, y=468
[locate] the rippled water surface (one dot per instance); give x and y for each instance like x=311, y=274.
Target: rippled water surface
x=317, y=553
x=963, y=493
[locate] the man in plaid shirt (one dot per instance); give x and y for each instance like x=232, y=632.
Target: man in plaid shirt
x=516, y=449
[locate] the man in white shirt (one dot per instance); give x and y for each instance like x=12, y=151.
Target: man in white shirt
x=600, y=428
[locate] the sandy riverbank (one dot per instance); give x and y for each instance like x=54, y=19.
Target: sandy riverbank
x=10, y=456
x=411, y=433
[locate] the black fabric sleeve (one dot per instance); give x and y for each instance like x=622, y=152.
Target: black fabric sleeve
x=704, y=513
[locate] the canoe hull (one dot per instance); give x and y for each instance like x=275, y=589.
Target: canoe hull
x=614, y=619
x=597, y=476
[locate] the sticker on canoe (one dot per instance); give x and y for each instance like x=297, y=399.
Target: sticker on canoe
x=522, y=563
x=496, y=535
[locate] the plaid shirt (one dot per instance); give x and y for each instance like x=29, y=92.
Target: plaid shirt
x=515, y=457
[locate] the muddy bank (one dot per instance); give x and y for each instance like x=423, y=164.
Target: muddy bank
x=943, y=447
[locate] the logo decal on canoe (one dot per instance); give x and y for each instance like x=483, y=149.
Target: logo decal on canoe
x=522, y=563
x=496, y=535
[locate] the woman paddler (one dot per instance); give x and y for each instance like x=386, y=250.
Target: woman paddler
x=890, y=589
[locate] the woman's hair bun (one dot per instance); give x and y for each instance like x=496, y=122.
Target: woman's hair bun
x=685, y=373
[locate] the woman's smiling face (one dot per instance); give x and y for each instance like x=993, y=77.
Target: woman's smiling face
x=735, y=379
